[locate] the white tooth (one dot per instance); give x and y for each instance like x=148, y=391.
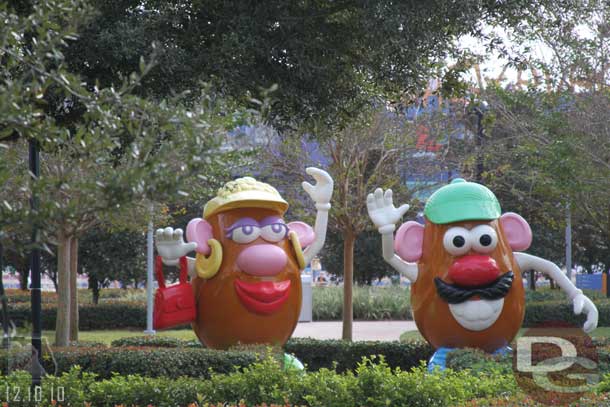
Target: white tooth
x=477, y=315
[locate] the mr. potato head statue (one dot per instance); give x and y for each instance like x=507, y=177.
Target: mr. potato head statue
x=246, y=274
x=464, y=265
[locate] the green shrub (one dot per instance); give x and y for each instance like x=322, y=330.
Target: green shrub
x=317, y=354
x=370, y=303
x=537, y=313
x=374, y=384
x=151, y=340
x=107, y=315
x=84, y=295
x=548, y=294
x=476, y=360
x=152, y=362
x=16, y=296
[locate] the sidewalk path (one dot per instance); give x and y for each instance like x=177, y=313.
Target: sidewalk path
x=362, y=330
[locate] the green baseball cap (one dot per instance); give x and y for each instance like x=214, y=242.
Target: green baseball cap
x=461, y=201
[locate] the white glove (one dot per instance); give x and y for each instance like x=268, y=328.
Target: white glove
x=171, y=246
x=382, y=211
x=583, y=303
x=322, y=191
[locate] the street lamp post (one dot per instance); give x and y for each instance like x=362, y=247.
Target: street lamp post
x=34, y=161
x=149, y=278
x=6, y=336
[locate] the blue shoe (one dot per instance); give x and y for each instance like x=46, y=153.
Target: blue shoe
x=439, y=359
x=503, y=351
x=292, y=363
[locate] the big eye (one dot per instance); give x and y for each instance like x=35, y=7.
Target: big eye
x=274, y=232
x=245, y=234
x=457, y=241
x=484, y=238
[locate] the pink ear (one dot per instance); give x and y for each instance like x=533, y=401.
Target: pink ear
x=517, y=231
x=304, y=231
x=199, y=231
x=409, y=241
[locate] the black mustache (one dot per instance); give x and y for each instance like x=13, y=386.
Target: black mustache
x=455, y=295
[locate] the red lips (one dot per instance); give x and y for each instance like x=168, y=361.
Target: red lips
x=262, y=298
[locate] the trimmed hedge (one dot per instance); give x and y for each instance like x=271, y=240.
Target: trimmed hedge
x=150, y=362
x=154, y=341
x=540, y=312
x=317, y=354
x=343, y=355
x=17, y=296
x=108, y=315
x=133, y=314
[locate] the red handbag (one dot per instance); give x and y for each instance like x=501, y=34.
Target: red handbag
x=174, y=305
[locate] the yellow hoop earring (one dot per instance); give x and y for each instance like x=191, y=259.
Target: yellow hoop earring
x=207, y=267
x=296, y=245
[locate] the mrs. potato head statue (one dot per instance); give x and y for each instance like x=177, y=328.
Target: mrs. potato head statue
x=464, y=265
x=246, y=273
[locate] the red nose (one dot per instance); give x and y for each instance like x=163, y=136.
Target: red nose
x=474, y=271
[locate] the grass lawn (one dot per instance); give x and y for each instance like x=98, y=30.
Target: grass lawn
x=603, y=331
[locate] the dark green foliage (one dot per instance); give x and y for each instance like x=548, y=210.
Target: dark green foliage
x=546, y=294
x=373, y=384
x=107, y=315
x=145, y=361
x=107, y=256
x=323, y=55
x=369, y=303
x=367, y=266
x=552, y=311
x=317, y=354
x=152, y=341
x=133, y=313
x=477, y=360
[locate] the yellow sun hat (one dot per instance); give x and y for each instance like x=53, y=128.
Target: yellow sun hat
x=245, y=192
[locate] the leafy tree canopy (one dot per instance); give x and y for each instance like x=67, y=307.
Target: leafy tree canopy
x=327, y=57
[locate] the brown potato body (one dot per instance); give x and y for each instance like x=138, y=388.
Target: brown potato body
x=222, y=321
x=432, y=315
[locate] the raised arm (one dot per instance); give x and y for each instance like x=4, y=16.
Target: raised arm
x=581, y=302
x=384, y=215
x=320, y=194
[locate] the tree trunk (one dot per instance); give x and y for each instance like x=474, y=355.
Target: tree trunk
x=94, y=285
x=62, y=324
x=348, y=279
x=532, y=278
x=23, y=278
x=74, y=289
x=53, y=278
